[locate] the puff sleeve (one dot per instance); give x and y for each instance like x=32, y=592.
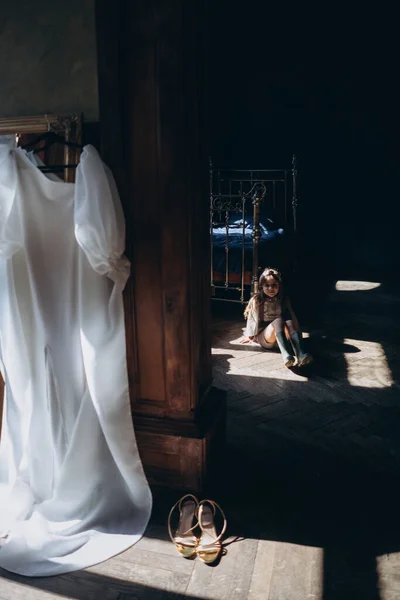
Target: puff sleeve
x=99, y=219
x=252, y=325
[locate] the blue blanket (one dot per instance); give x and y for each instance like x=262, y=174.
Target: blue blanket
x=270, y=247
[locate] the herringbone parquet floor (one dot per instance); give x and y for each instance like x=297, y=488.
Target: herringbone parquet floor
x=309, y=480
x=315, y=455
x=347, y=403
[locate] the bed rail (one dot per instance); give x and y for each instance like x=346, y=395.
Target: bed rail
x=236, y=195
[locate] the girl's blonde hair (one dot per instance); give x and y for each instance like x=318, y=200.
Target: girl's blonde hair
x=258, y=299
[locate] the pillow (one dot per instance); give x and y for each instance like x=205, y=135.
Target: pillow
x=249, y=223
x=235, y=222
x=266, y=225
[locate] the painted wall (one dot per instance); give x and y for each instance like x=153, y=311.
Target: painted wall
x=48, y=58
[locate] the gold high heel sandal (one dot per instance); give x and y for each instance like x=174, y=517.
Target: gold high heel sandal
x=184, y=539
x=209, y=545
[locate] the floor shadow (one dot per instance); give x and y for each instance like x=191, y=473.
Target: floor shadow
x=277, y=481
x=283, y=489
x=82, y=585
x=345, y=497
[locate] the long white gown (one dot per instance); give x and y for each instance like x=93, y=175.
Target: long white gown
x=72, y=488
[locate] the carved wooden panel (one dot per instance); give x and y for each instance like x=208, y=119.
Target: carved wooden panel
x=160, y=113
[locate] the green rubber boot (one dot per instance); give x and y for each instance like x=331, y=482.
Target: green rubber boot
x=303, y=358
x=286, y=349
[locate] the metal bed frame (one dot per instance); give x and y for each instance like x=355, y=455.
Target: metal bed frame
x=242, y=193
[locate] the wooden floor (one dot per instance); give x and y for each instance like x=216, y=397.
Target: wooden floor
x=310, y=478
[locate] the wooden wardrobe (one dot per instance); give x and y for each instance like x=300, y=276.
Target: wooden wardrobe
x=153, y=118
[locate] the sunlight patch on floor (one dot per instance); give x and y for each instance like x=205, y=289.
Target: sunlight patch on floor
x=287, y=570
x=250, y=360
x=355, y=286
x=266, y=370
x=387, y=567
x=252, y=569
x=238, y=348
x=373, y=371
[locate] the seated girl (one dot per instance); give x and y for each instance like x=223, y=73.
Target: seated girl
x=271, y=320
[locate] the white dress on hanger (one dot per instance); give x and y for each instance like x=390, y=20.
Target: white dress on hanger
x=72, y=488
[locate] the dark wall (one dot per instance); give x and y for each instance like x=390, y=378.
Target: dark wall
x=322, y=86
x=48, y=58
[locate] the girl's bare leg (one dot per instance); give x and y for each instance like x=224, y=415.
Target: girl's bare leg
x=269, y=334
